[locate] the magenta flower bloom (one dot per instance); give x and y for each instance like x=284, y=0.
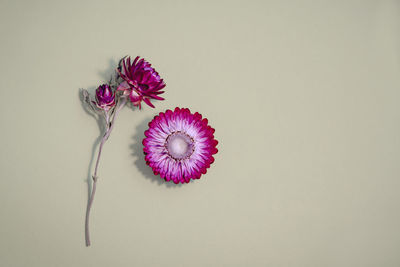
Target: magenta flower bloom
x=141, y=81
x=179, y=145
x=105, y=97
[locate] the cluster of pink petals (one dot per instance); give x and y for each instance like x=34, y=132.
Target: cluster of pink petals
x=179, y=145
x=141, y=81
x=105, y=97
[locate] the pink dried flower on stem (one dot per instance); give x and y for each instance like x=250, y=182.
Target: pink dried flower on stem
x=105, y=97
x=141, y=82
x=144, y=83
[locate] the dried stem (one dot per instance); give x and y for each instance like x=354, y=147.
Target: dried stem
x=103, y=140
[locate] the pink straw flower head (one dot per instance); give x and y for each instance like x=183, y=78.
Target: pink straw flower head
x=105, y=97
x=179, y=145
x=141, y=82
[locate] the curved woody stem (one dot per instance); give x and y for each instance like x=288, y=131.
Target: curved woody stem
x=109, y=128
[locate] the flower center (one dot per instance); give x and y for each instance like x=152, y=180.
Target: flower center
x=179, y=145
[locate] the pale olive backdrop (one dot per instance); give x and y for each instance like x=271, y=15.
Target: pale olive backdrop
x=304, y=97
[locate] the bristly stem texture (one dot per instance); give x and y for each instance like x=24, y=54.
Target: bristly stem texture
x=109, y=128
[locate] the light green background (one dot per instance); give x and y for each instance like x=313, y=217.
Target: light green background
x=304, y=97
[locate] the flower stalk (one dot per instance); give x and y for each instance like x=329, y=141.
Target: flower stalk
x=106, y=135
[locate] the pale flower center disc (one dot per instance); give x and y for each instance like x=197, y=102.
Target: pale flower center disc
x=179, y=145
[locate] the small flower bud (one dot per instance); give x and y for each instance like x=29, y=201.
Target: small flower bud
x=105, y=97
